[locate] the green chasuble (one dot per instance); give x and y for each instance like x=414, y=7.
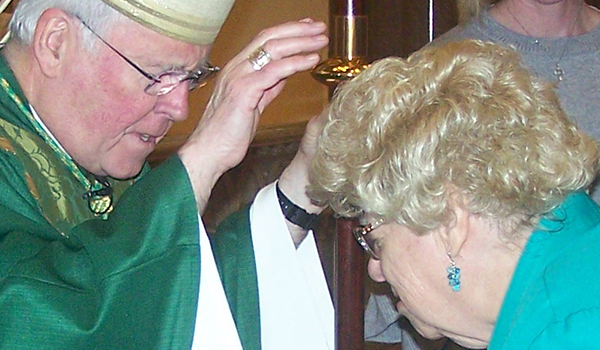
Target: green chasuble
x=71, y=280
x=238, y=274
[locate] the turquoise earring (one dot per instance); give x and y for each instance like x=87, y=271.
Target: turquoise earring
x=453, y=275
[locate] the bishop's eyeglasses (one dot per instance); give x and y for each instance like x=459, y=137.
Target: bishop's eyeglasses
x=165, y=82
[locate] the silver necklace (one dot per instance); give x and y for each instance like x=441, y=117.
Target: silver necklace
x=558, y=72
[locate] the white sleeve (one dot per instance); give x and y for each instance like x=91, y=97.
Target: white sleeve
x=296, y=311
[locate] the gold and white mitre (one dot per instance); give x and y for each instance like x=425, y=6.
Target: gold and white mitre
x=193, y=21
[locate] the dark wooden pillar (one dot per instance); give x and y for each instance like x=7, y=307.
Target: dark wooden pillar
x=349, y=288
x=349, y=23
x=347, y=58
x=400, y=27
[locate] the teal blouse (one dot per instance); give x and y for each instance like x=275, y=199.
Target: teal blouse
x=553, y=301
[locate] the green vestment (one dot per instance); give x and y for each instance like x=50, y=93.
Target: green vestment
x=70, y=280
x=238, y=274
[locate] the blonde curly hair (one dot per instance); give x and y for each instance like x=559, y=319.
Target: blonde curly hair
x=459, y=122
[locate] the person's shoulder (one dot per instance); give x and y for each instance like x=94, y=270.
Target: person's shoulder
x=455, y=34
x=579, y=330
x=561, y=309
x=470, y=30
x=571, y=280
x=15, y=180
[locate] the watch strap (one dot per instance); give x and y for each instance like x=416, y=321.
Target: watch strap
x=294, y=213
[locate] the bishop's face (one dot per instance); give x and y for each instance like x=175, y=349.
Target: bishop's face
x=108, y=124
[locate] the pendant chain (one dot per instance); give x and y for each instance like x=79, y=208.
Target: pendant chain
x=558, y=72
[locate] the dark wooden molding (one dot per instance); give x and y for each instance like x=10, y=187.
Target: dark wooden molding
x=266, y=136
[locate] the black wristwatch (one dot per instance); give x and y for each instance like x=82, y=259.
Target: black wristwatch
x=294, y=213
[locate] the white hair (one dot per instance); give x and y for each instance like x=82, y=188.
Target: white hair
x=95, y=13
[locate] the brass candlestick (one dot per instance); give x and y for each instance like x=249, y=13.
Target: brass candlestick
x=348, y=48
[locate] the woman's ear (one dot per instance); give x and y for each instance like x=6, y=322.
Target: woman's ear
x=51, y=38
x=454, y=234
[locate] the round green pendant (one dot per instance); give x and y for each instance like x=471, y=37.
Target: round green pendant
x=100, y=205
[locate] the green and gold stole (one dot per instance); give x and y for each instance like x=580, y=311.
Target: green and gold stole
x=66, y=194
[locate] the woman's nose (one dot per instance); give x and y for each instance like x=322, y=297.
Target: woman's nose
x=374, y=269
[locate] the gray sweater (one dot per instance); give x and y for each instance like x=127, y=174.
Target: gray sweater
x=579, y=58
x=579, y=94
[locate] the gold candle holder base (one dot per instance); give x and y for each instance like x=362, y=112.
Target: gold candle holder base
x=348, y=51
x=336, y=70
